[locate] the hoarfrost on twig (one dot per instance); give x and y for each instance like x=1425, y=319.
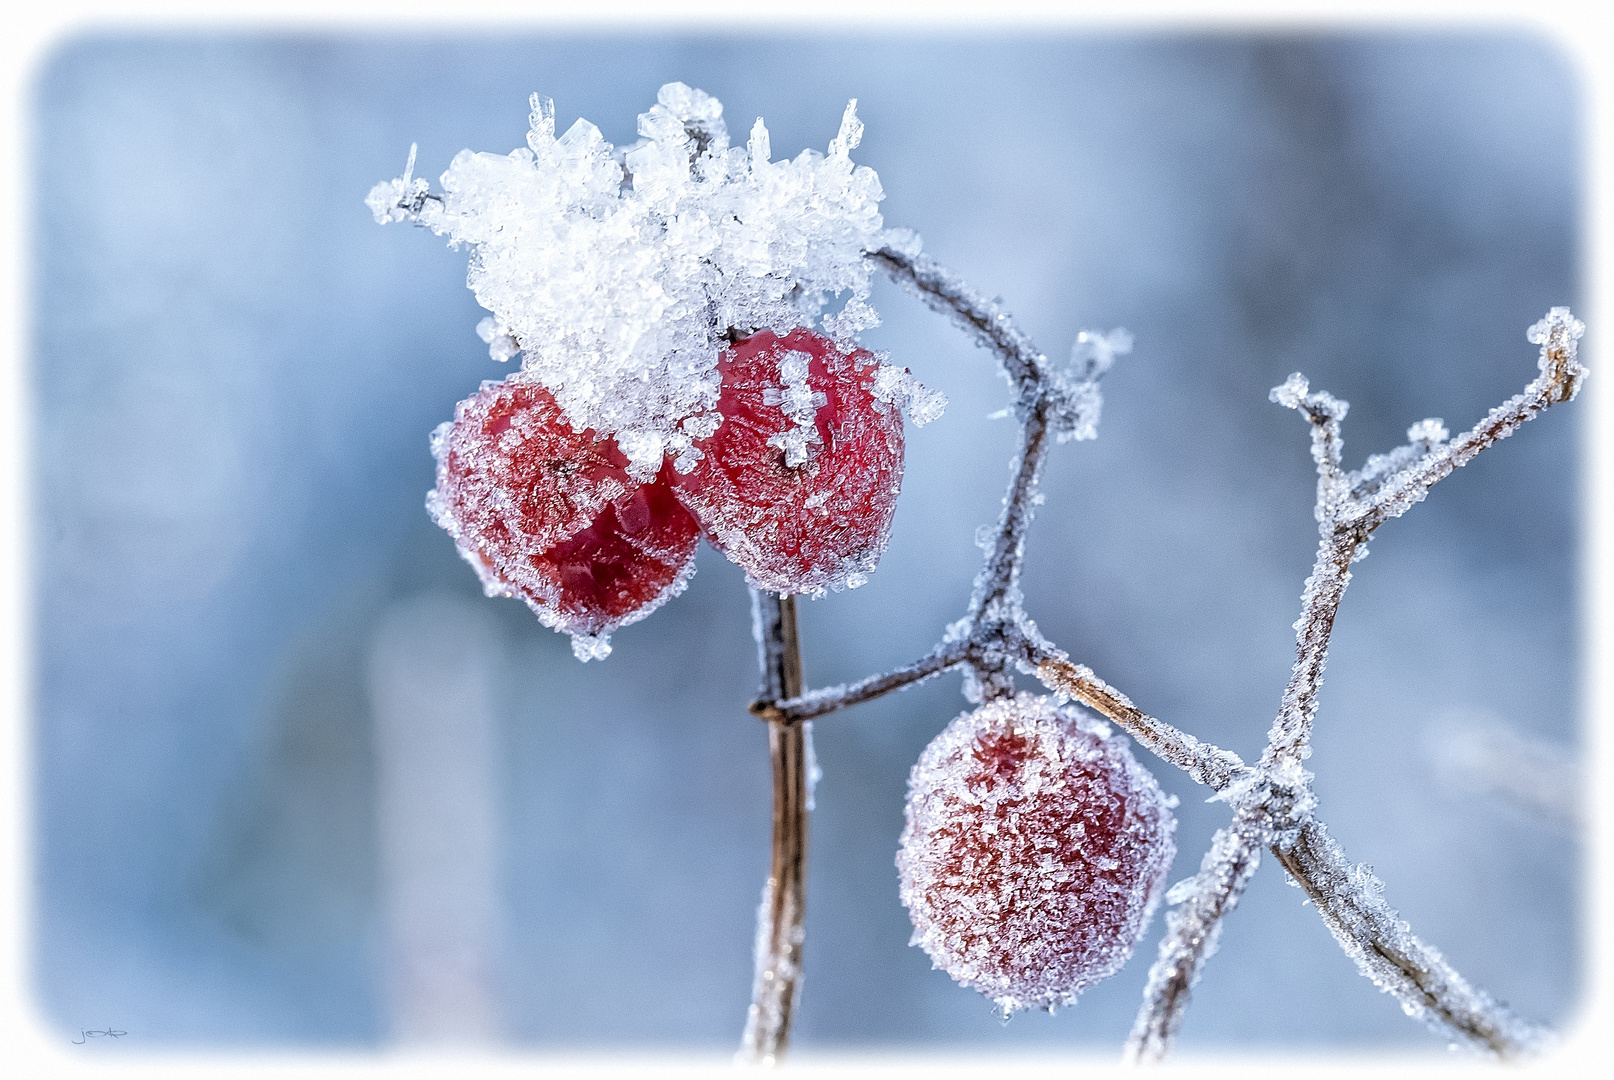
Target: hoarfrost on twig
x=620, y=274
x=1387, y=953
x=1272, y=802
x=1193, y=933
x=1480, y=755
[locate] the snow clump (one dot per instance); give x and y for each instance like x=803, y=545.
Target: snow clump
x=619, y=275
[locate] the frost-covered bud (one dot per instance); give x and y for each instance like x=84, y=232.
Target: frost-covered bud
x=1035, y=850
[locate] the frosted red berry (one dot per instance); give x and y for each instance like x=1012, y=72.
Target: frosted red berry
x=800, y=480
x=1035, y=851
x=551, y=516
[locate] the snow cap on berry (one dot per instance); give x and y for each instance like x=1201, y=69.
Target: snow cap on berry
x=1034, y=853
x=621, y=274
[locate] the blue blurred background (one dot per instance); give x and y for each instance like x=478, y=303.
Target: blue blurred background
x=297, y=783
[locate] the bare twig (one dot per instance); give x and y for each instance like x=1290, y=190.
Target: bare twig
x=1047, y=402
x=1023, y=364
x=995, y=598
x=1002, y=572
x=1272, y=801
x=780, y=919
x=1481, y=756
x=1349, y=507
x=1287, y=742
x=1560, y=380
x=1193, y=931
x=830, y=699
x=1206, y=764
x=1386, y=951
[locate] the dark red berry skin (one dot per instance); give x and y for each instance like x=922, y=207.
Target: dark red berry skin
x=807, y=527
x=550, y=515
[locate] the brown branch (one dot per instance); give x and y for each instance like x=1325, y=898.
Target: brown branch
x=780, y=918
x=816, y=703
x=1023, y=364
x=1193, y=931
x=1206, y=764
x=1387, y=952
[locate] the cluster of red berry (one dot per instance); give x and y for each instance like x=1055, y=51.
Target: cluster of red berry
x=1035, y=848
x=550, y=515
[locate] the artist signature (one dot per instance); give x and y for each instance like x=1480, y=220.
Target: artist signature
x=86, y=1035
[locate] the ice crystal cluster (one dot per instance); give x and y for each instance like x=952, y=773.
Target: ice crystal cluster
x=1034, y=852
x=619, y=275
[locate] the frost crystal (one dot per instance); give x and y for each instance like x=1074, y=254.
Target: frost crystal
x=501, y=346
x=798, y=401
x=1291, y=392
x=621, y=274
x=1034, y=854
x=1557, y=318
x=1076, y=400
x=897, y=386
x=1430, y=432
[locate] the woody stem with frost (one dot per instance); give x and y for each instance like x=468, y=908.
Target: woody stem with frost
x=1272, y=801
x=780, y=926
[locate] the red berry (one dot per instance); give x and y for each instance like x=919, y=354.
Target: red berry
x=1034, y=852
x=550, y=515
x=799, y=482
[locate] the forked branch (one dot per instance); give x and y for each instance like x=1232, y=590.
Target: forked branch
x=1351, y=506
x=1349, y=899
x=1278, y=794
x=1272, y=801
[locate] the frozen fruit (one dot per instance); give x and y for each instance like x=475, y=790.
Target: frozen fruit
x=1034, y=852
x=550, y=515
x=799, y=482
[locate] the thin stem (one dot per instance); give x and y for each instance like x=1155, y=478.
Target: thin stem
x=1386, y=951
x=780, y=918
x=1558, y=383
x=1193, y=932
x=994, y=605
x=1008, y=551
x=1206, y=764
x=1325, y=588
x=818, y=703
x=991, y=326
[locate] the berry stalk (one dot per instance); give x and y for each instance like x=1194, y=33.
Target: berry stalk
x=780, y=918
